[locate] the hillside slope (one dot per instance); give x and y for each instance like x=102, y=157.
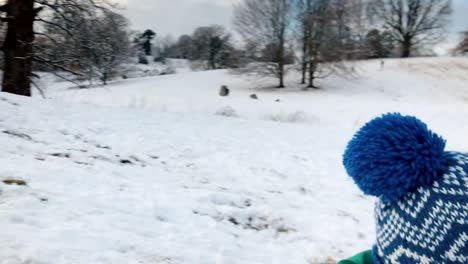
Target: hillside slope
x=128, y=186
x=403, y=85
x=145, y=171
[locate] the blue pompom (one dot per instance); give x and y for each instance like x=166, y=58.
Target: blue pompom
x=393, y=155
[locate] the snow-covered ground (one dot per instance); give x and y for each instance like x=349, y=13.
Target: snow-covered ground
x=152, y=170
x=409, y=86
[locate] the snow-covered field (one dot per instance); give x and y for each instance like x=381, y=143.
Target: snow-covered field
x=151, y=170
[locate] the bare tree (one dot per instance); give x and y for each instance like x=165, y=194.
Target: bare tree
x=358, y=22
x=462, y=47
x=265, y=24
x=183, y=47
x=163, y=48
x=327, y=37
x=378, y=44
x=94, y=44
x=413, y=22
x=317, y=22
x=304, y=8
x=21, y=17
x=17, y=46
x=208, y=48
x=211, y=44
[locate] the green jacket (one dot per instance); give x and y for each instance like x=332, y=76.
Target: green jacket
x=361, y=258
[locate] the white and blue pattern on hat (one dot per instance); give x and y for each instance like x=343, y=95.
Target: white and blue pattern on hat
x=422, y=212
x=429, y=225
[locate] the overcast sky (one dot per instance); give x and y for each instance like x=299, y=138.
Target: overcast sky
x=176, y=17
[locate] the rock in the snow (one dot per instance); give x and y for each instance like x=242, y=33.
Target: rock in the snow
x=224, y=90
x=126, y=161
x=15, y=182
x=254, y=96
x=17, y=134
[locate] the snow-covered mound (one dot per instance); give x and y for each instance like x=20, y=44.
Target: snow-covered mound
x=128, y=186
x=170, y=66
x=402, y=85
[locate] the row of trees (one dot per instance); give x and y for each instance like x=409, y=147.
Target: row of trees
x=87, y=40
x=328, y=32
x=210, y=46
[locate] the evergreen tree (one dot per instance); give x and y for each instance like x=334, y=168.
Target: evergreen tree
x=146, y=44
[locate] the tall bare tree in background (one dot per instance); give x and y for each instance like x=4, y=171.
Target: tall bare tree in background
x=314, y=20
x=22, y=17
x=359, y=24
x=413, y=22
x=462, y=47
x=94, y=42
x=304, y=9
x=212, y=46
x=329, y=34
x=264, y=26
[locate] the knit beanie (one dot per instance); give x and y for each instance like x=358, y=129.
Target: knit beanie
x=422, y=210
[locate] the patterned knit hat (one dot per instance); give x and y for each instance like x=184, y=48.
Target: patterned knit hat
x=422, y=212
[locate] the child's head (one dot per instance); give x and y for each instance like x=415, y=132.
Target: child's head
x=422, y=212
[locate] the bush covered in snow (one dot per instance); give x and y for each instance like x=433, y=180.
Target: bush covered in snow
x=295, y=117
x=141, y=70
x=227, y=111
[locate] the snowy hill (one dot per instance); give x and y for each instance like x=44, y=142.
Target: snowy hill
x=408, y=86
x=145, y=171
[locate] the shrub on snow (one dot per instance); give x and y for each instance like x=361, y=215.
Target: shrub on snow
x=227, y=111
x=295, y=117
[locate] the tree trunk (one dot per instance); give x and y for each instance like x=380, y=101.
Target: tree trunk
x=304, y=72
x=281, y=75
x=305, y=44
x=104, y=78
x=406, y=46
x=17, y=48
x=211, y=59
x=306, y=40
x=281, y=59
x=312, y=69
x=311, y=81
x=212, y=63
